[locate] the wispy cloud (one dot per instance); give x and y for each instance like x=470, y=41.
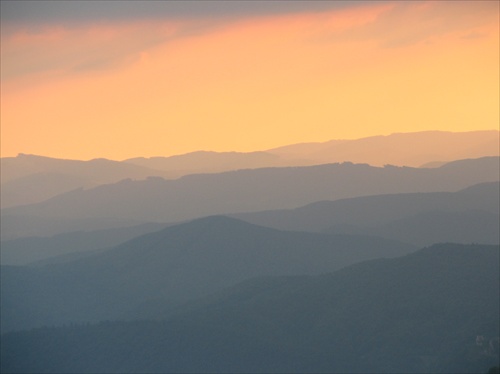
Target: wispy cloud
x=301, y=71
x=36, y=13
x=404, y=24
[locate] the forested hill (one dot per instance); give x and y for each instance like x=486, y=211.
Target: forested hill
x=433, y=311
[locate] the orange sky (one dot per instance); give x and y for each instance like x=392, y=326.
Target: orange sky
x=162, y=86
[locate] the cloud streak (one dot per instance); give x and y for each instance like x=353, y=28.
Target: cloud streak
x=172, y=84
x=39, y=12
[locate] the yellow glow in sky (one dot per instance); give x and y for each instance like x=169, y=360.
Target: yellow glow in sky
x=163, y=87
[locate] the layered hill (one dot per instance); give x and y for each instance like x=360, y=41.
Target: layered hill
x=167, y=267
x=28, y=179
x=466, y=216
x=37, y=250
x=401, y=149
x=433, y=311
x=160, y=200
x=470, y=215
x=209, y=162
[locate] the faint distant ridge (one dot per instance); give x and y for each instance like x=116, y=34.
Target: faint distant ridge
x=208, y=162
x=28, y=179
x=401, y=149
x=192, y=196
x=97, y=171
x=467, y=216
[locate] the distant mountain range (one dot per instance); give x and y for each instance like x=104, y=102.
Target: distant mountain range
x=69, y=245
x=160, y=200
x=432, y=311
x=400, y=149
x=303, y=258
x=176, y=264
x=467, y=216
x=29, y=179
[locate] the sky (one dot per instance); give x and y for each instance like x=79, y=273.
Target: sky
x=112, y=79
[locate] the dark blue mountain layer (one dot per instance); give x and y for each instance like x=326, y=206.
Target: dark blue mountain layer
x=433, y=311
x=171, y=266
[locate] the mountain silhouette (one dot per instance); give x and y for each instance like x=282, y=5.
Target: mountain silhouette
x=174, y=265
x=401, y=149
x=435, y=311
x=467, y=216
x=28, y=179
x=37, y=250
x=208, y=162
x=159, y=200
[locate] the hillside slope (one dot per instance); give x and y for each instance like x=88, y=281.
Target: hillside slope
x=159, y=200
x=433, y=311
x=171, y=266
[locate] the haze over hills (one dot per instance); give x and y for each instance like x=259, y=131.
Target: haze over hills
x=98, y=170
x=249, y=186
x=467, y=216
x=434, y=227
x=159, y=200
x=209, y=162
x=118, y=267
x=30, y=250
x=15, y=227
x=400, y=149
x=176, y=264
x=28, y=179
x=435, y=310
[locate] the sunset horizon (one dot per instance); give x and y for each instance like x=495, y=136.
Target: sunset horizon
x=194, y=151
x=119, y=80
x=250, y=186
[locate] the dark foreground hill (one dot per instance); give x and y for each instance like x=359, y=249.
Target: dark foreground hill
x=171, y=266
x=433, y=311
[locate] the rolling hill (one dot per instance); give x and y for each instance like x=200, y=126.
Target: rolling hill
x=432, y=311
x=171, y=266
x=28, y=179
x=466, y=216
x=23, y=251
x=159, y=200
x=401, y=149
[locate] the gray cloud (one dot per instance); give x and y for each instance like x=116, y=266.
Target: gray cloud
x=36, y=13
x=406, y=23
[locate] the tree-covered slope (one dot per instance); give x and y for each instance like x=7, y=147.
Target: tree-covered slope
x=433, y=311
x=176, y=264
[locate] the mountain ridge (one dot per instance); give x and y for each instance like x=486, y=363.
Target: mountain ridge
x=159, y=200
x=440, y=316
x=174, y=265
